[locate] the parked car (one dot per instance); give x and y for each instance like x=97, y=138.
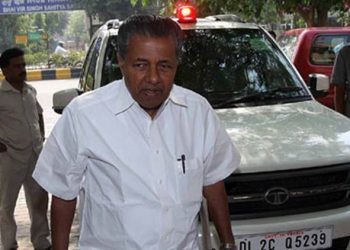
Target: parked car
x=292, y=190
x=313, y=50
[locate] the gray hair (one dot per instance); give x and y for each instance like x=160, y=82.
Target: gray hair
x=148, y=26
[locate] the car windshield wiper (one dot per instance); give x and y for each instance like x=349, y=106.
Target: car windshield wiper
x=287, y=89
x=258, y=96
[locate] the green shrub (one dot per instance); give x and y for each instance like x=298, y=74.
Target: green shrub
x=72, y=59
x=36, y=59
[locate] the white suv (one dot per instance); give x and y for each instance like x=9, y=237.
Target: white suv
x=292, y=190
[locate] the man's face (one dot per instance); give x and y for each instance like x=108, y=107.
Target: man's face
x=149, y=69
x=15, y=72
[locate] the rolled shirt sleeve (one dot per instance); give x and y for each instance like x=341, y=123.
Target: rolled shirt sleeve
x=60, y=168
x=222, y=158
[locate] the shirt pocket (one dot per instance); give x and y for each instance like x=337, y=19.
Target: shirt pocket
x=189, y=180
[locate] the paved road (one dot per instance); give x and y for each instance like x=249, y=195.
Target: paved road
x=45, y=89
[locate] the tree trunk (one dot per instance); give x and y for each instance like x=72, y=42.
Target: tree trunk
x=322, y=18
x=307, y=13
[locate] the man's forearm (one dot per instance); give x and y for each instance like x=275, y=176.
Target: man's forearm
x=218, y=210
x=42, y=126
x=339, y=98
x=62, y=214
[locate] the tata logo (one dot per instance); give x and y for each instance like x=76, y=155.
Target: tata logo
x=276, y=196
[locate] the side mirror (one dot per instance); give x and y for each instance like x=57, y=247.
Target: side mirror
x=62, y=98
x=318, y=85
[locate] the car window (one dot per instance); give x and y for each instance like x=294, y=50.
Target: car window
x=288, y=43
x=111, y=70
x=92, y=58
x=325, y=47
x=82, y=79
x=240, y=62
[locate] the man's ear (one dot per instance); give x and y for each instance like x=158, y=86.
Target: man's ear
x=120, y=60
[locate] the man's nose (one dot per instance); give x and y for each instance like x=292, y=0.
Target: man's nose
x=153, y=75
x=22, y=67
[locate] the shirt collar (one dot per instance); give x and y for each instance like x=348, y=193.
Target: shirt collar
x=177, y=97
x=6, y=86
x=121, y=99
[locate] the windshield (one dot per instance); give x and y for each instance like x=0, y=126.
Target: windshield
x=226, y=65
x=288, y=43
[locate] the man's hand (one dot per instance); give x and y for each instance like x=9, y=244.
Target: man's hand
x=42, y=127
x=3, y=147
x=218, y=211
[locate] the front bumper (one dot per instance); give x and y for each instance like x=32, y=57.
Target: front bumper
x=338, y=218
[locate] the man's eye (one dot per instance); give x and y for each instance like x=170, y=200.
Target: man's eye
x=140, y=65
x=165, y=66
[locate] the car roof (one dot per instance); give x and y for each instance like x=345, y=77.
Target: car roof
x=211, y=22
x=314, y=30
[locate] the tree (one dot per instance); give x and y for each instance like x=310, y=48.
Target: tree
x=314, y=12
x=105, y=9
x=12, y=25
x=111, y=9
x=56, y=23
x=77, y=27
x=258, y=11
x=52, y=24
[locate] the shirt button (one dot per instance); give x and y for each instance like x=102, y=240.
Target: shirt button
x=157, y=151
x=160, y=182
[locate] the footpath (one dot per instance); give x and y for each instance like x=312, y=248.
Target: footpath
x=23, y=226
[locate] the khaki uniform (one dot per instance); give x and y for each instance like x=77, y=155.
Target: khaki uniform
x=20, y=132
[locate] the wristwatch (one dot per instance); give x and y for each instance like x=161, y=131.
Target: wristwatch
x=228, y=246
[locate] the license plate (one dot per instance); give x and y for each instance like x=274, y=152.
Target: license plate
x=305, y=239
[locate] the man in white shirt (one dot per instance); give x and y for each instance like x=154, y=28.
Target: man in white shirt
x=140, y=153
x=60, y=50
x=21, y=140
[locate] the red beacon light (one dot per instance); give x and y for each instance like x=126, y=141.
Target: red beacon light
x=186, y=14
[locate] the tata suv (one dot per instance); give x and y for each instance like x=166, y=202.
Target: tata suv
x=292, y=189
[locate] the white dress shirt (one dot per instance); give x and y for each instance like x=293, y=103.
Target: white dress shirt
x=135, y=192
x=61, y=51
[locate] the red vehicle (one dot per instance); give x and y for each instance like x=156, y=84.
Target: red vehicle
x=313, y=50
